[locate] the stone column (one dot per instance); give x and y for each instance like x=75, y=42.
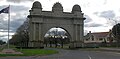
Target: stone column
x=34, y=31
x=76, y=32
x=81, y=32
x=81, y=35
x=39, y=31
x=32, y=34
x=40, y=35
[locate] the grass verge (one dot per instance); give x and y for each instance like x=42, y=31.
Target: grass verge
x=31, y=52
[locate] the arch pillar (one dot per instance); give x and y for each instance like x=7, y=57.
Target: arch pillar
x=77, y=40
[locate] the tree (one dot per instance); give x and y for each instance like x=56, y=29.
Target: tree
x=116, y=32
x=2, y=42
x=56, y=37
x=21, y=36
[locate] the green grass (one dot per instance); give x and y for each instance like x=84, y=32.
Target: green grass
x=32, y=52
x=4, y=55
x=29, y=52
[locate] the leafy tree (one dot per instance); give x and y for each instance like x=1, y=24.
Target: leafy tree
x=58, y=38
x=116, y=32
x=2, y=42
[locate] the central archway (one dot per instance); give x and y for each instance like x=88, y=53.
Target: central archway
x=41, y=21
x=57, y=37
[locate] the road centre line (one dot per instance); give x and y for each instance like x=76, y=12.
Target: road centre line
x=89, y=57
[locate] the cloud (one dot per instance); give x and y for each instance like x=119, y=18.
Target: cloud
x=105, y=2
x=93, y=25
x=85, y=32
x=112, y=22
x=18, y=8
x=3, y=6
x=88, y=19
x=4, y=35
x=4, y=39
x=18, y=1
x=110, y=14
x=13, y=25
x=16, y=23
x=3, y=23
x=20, y=14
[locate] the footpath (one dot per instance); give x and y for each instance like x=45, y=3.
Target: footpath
x=111, y=49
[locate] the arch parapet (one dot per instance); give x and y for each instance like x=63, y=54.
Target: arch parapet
x=36, y=8
x=76, y=8
x=57, y=7
x=36, y=5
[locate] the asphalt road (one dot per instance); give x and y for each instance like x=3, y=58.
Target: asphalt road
x=73, y=54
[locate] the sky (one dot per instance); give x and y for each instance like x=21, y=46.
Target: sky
x=101, y=15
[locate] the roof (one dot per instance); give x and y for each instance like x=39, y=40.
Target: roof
x=100, y=34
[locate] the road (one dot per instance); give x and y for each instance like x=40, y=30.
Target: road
x=73, y=54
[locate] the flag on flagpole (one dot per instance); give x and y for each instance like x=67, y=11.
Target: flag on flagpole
x=5, y=10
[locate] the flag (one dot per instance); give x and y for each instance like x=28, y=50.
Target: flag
x=5, y=10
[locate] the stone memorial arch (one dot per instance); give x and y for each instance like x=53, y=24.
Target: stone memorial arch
x=41, y=21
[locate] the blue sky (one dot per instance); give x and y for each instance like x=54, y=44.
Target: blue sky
x=97, y=13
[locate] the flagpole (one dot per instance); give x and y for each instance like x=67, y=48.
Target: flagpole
x=8, y=25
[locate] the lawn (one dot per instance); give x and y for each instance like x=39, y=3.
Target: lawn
x=31, y=52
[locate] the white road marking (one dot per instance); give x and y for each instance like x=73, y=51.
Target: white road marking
x=89, y=57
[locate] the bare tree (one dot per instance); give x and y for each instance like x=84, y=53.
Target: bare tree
x=21, y=36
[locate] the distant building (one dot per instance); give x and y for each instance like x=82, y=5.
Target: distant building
x=99, y=37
